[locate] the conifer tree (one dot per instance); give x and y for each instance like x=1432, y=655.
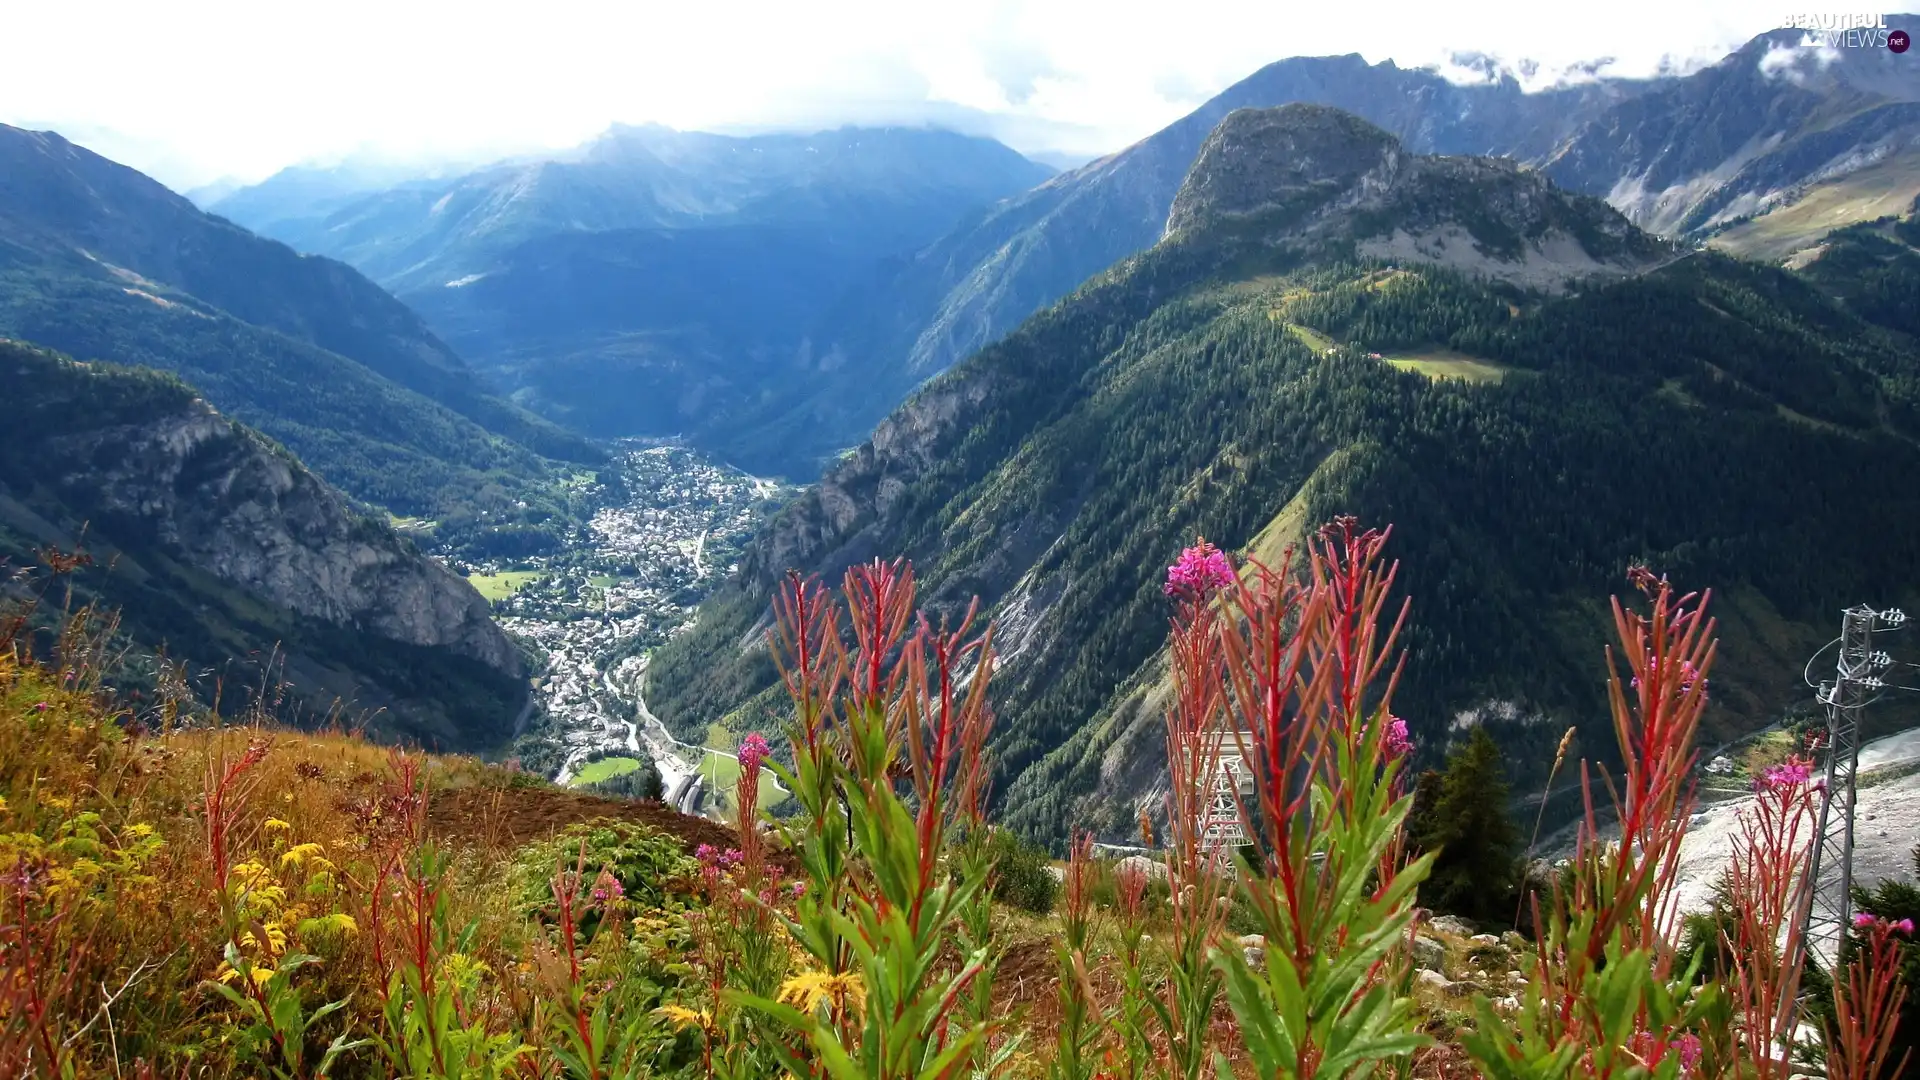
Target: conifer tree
x=1461, y=815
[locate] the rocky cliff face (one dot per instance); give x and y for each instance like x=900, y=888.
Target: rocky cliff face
x=1263, y=159
x=217, y=544
x=236, y=506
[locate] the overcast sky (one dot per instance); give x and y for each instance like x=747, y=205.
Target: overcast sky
x=196, y=90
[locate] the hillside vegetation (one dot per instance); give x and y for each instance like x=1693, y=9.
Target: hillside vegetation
x=191, y=898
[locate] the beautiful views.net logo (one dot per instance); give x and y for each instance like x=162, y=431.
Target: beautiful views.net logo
x=1847, y=30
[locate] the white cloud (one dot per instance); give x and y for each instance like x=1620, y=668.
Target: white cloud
x=197, y=90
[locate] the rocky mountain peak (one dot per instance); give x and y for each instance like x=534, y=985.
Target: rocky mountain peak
x=1259, y=159
x=1325, y=183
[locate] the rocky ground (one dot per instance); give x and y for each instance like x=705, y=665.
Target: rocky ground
x=1886, y=823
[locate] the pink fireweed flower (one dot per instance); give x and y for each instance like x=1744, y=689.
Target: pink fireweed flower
x=753, y=751
x=705, y=852
x=1398, y=745
x=607, y=888
x=730, y=857
x=799, y=889
x=1867, y=920
x=1792, y=773
x=1202, y=569
x=1688, y=1047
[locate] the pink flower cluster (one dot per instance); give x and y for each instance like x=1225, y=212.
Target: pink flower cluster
x=1866, y=920
x=753, y=751
x=713, y=856
x=1201, y=570
x=1793, y=773
x=607, y=888
x=1399, y=745
x=1687, y=1048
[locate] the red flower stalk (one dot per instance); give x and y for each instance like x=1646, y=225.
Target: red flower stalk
x=1624, y=889
x=1768, y=855
x=1866, y=1004
x=805, y=642
x=1265, y=655
x=1195, y=876
x=1669, y=652
x=229, y=786
x=746, y=801
x=879, y=599
x=1348, y=644
x=946, y=727
x=38, y=974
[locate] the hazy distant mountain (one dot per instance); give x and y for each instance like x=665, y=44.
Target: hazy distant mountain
x=294, y=203
x=1329, y=323
x=206, y=195
x=656, y=280
x=99, y=261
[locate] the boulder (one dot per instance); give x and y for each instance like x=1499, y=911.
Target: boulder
x=1453, y=924
x=1429, y=954
x=1433, y=979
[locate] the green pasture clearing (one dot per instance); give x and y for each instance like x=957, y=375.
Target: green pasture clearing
x=604, y=769
x=503, y=584
x=1448, y=364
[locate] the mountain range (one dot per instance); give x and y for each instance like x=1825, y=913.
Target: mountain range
x=655, y=281
x=1769, y=127
x=1534, y=391
x=1546, y=333
x=772, y=298
x=99, y=261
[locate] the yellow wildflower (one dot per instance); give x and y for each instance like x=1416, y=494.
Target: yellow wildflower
x=301, y=854
x=683, y=1018
x=260, y=975
x=808, y=989
x=274, y=824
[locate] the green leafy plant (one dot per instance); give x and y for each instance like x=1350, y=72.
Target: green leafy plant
x=880, y=1004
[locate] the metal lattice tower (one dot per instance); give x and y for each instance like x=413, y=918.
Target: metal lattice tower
x=1827, y=890
x=1221, y=828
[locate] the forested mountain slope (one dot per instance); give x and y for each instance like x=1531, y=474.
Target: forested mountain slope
x=220, y=550
x=1258, y=371
x=102, y=262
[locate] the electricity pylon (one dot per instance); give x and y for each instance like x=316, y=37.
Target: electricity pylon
x=1826, y=903
x=1222, y=829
